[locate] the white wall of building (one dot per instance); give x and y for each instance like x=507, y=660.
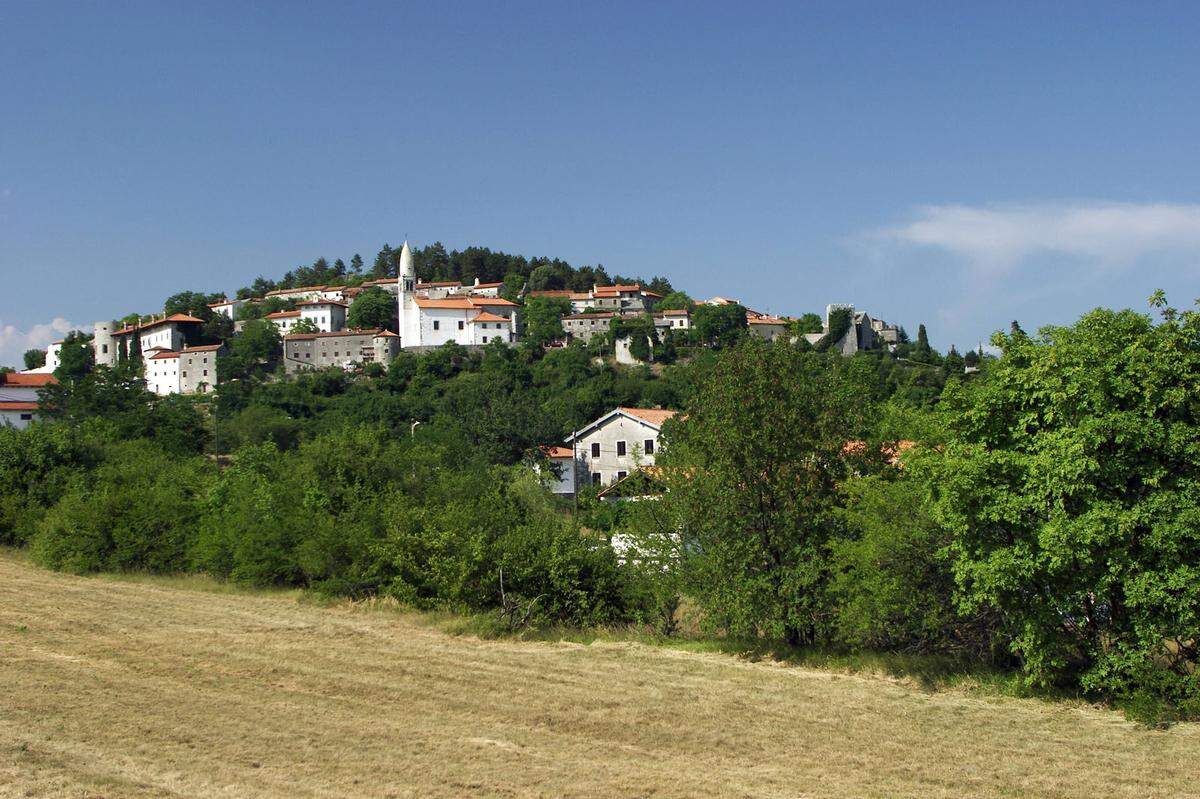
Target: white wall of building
x=617, y=448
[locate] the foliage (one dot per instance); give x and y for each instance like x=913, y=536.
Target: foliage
x=840, y=322
x=136, y=511
x=1070, y=489
x=373, y=308
x=76, y=357
x=751, y=475
x=719, y=325
x=35, y=359
x=304, y=326
x=543, y=319
x=676, y=300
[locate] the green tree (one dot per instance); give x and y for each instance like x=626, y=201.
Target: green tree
x=35, y=359
x=304, y=326
x=752, y=474
x=192, y=303
x=76, y=357
x=719, y=325
x=808, y=323
x=1070, y=488
x=372, y=308
x=253, y=353
x=543, y=319
x=543, y=278
x=676, y=300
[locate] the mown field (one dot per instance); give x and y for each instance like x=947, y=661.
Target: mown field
x=115, y=688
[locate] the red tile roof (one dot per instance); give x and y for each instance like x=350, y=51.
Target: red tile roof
x=655, y=416
x=484, y=316
x=281, y=314
x=298, y=288
x=498, y=301
x=558, y=452
x=444, y=284
x=164, y=355
x=179, y=318
x=322, y=302
x=462, y=304
x=6, y=405
x=765, y=320
x=335, y=334
x=487, y=285
x=17, y=379
x=204, y=348
x=674, y=312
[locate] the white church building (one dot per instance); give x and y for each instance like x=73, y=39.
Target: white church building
x=428, y=321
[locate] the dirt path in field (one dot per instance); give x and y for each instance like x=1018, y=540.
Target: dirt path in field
x=112, y=688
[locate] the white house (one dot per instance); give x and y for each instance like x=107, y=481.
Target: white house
x=19, y=397
x=430, y=321
x=328, y=315
x=673, y=319
x=227, y=307
x=171, y=332
x=284, y=320
x=617, y=443
x=565, y=474
x=192, y=370
x=485, y=289
x=767, y=327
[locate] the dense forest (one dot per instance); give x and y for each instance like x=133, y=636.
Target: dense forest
x=1036, y=515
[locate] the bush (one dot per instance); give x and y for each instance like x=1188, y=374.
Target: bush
x=138, y=510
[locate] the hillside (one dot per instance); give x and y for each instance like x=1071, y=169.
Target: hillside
x=116, y=688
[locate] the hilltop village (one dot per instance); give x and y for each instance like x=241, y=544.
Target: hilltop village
x=317, y=330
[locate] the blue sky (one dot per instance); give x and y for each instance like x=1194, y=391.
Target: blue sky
x=952, y=163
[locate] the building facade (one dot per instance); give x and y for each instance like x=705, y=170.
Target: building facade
x=19, y=397
x=617, y=444
x=192, y=370
x=426, y=320
x=344, y=349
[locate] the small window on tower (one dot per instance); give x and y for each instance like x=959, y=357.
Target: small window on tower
x=436, y=324
x=460, y=324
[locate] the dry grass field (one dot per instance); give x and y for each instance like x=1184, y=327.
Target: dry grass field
x=115, y=688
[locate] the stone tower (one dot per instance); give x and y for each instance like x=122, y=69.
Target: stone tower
x=407, y=314
x=104, y=345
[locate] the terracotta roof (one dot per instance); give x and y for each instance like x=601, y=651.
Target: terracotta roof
x=380, y=281
x=6, y=405
x=222, y=302
x=386, y=334
x=281, y=314
x=17, y=379
x=488, y=285
x=654, y=416
x=333, y=334
x=439, y=285
x=484, y=316
x=164, y=355
x=204, y=348
x=766, y=320
x=557, y=452
x=175, y=317
x=463, y=304
x=580, y=295
x=618, y=289
x=322, y=302
x=675, y=312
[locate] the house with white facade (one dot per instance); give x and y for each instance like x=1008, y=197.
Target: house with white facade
x=328, y=315
x=192, y=370
x=616, y=444
x=284, y=320
x=19, y=397
x=767, y=327
x=431, y=321
x=227, y=307
x=302, y=293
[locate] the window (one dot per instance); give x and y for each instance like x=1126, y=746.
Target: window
x=596, y=477
x=648, y=446
x=621, y=475
x=436, y=324
x=460, y=324
x=27, y=417
x=485, y=339
x=308, y=355
x=205, y=373
x=620, y=449
x=596, y=449
x=185, y=374
x=104, y=348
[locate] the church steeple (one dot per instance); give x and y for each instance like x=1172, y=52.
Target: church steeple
x=408, y=275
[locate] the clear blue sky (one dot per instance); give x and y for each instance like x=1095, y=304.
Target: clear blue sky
x=951, y=163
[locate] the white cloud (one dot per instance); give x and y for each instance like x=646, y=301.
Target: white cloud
x=996, y=239
x=14, y=342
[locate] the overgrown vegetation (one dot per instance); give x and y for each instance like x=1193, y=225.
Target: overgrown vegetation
x=1039, y=519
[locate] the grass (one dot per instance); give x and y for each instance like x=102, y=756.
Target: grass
x=147, y=686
